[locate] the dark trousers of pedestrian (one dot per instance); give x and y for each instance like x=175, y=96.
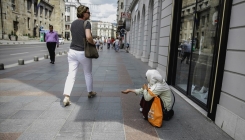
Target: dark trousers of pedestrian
x=186, y=55
x=51, y=49
x=108, y=45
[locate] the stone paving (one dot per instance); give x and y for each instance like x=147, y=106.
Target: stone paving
x=31, y=104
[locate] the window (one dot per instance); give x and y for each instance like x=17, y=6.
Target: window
x=29, y=5
x=41, y=11
x=28, y=22
x=67, y=27
x=67, y=9
x=203, y=20
x=35, y=21
x=195, y=59
x=13, y=5
x=121, y=5
x=35, y=8
x=50, y=13
x=46, y=13
x=67, y=18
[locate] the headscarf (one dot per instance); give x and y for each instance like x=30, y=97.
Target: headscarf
x=153, y=77
x=156, y=81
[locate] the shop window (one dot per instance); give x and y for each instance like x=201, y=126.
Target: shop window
x=195, y=52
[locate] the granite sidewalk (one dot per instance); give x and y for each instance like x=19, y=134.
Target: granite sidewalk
x=31, y=104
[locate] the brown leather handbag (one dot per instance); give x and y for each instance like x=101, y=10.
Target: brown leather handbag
x=90, y=49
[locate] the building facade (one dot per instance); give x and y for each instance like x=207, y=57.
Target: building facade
x=70, y=15
x=25, y=18
x=120, y=9
x=213, y=76
x=103, y=29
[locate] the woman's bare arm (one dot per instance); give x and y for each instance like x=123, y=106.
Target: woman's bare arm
x=89, y=36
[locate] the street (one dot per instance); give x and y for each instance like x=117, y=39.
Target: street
x=9, y=54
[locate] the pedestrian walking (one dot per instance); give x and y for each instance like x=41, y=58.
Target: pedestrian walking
x=97, y=43
x=186, y=49
x=108, y=43
x=76, y=55
x=52, y=40
x=116, y=43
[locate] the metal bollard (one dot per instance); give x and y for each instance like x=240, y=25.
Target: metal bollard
x=65, y=52
x=45, y=56
x=60, y=53
x=35, y=58
x=1, y=66
x=21, y=62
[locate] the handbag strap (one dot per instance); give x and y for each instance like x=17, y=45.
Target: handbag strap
x=84, y=25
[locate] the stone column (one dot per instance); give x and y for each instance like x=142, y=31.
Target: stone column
x=153, y=61
x=147, y=39
x=139, y=34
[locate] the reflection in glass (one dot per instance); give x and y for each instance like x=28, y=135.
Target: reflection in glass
x=186, y=30
x=202, y=56
x=196, y=38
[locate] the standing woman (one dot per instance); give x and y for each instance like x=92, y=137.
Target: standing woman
x=76, y=55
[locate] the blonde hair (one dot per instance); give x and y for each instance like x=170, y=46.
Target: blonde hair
x=81, y=10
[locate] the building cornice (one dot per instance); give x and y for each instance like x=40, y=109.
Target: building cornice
x=132, y=5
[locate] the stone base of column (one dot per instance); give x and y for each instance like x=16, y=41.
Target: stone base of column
x=152, y=64
x=144, y=59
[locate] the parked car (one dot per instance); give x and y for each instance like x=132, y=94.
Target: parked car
x=61, y=40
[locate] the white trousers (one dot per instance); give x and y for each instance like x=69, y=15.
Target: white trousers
x=75, y=58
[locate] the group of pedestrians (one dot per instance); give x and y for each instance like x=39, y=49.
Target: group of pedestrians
x=76, y=57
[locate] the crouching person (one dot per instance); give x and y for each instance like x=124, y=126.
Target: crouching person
x=159, y=87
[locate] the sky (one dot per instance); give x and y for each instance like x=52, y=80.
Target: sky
x=103, y=10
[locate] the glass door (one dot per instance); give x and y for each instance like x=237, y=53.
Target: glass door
x=197, y=39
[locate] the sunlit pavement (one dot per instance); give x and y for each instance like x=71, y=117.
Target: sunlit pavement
x=31, y=104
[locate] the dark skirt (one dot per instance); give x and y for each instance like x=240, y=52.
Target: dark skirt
x=146, y=106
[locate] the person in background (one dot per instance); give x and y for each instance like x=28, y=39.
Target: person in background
x=116, y=44
x=97, y=43
x=52, y=40
x=186, y=48
x=76, y=55
x=108, y=43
